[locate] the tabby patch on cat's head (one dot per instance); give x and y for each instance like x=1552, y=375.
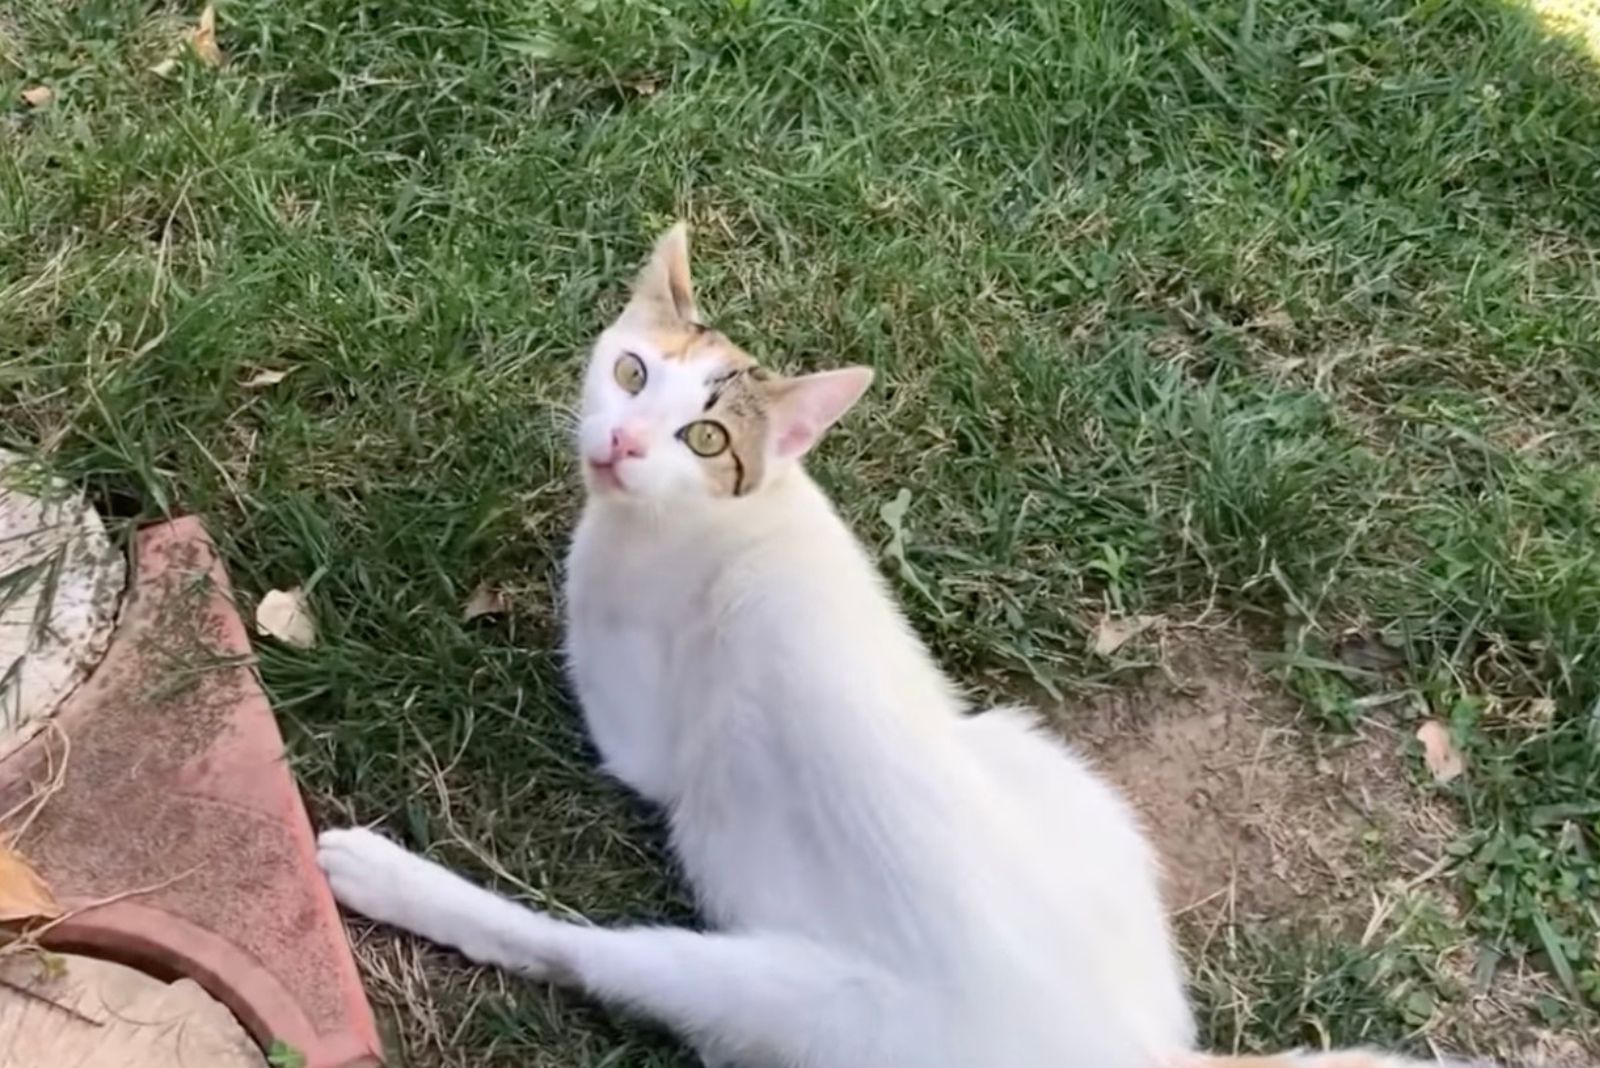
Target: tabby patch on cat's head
x=673, y=408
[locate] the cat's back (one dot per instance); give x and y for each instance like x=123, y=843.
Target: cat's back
x=822, y=781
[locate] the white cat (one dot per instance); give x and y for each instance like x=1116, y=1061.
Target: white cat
x=889, y=881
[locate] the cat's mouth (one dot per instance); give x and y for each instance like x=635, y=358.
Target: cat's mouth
x=604, y=476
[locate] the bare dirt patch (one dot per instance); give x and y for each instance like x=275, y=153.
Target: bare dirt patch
x=1260, y=818
x=1250, y=811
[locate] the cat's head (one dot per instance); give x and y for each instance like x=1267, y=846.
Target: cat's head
x=673, y=409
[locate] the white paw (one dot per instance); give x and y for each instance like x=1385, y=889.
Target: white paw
x=371, y=875
x=383, y=881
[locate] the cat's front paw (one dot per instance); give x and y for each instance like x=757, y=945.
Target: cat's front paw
x=371, y=875
x=377, y=878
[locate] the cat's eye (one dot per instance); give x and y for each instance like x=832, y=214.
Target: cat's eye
x=705, y=438
x=629, y=372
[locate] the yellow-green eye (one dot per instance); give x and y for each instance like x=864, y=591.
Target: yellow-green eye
x=629, y=372
x=705, y=438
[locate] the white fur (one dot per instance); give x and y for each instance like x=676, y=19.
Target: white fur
x=909, y=886
x=673, y=396
x=889, y=881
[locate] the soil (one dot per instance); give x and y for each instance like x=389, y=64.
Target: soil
x=1261, y=817
x=1250, y=811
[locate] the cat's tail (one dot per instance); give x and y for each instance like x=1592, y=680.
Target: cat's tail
x=1347, y=1059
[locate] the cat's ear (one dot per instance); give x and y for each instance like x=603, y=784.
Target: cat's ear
x=804, y=407
x=664, y=289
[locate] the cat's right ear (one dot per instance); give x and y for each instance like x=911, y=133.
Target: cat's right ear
x=802, y=408
x=664, y=291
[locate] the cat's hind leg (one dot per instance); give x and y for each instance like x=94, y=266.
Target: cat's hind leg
x=1020, y=751
x=1108, y=869
x=747, y=998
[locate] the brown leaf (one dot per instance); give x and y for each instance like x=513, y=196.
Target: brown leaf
x=1277, y=321
x=39, y=96
x=486, y=600
x=1439, y=751
x=204, y=38
x=286, y=616
x=263, y=379
x=1112, y=634
x=23, y=895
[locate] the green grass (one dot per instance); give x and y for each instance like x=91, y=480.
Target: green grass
x=1174, y=305
x=1282, y=985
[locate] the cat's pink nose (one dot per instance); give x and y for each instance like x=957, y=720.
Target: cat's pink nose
x=626, y=443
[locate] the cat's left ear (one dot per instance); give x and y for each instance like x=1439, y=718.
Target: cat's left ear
x=804, y=408
x=664, y=289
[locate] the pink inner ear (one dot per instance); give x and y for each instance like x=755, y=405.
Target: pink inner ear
x=813, y=403
x=796, y=438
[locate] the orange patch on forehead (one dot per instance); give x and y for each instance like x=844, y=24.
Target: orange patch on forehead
x=685, y=342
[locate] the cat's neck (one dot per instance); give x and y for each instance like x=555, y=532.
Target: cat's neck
x=778, y=570
x=785, y=535
x=789, y=495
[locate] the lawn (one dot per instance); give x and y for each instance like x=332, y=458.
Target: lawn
x=1246, y=311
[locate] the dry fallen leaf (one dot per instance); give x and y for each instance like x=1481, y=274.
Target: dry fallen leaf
x=285, y=615
x=485, y=601
x=39, y=96
x=263, y=379
x=1276, y=322
x=205, y=38
x=23, y=895
x=1533, y=444
x=1112, y=634
x=164, y=68
x=1439, y=751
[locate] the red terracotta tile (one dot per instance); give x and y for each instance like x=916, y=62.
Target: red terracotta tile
x=175, y=783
